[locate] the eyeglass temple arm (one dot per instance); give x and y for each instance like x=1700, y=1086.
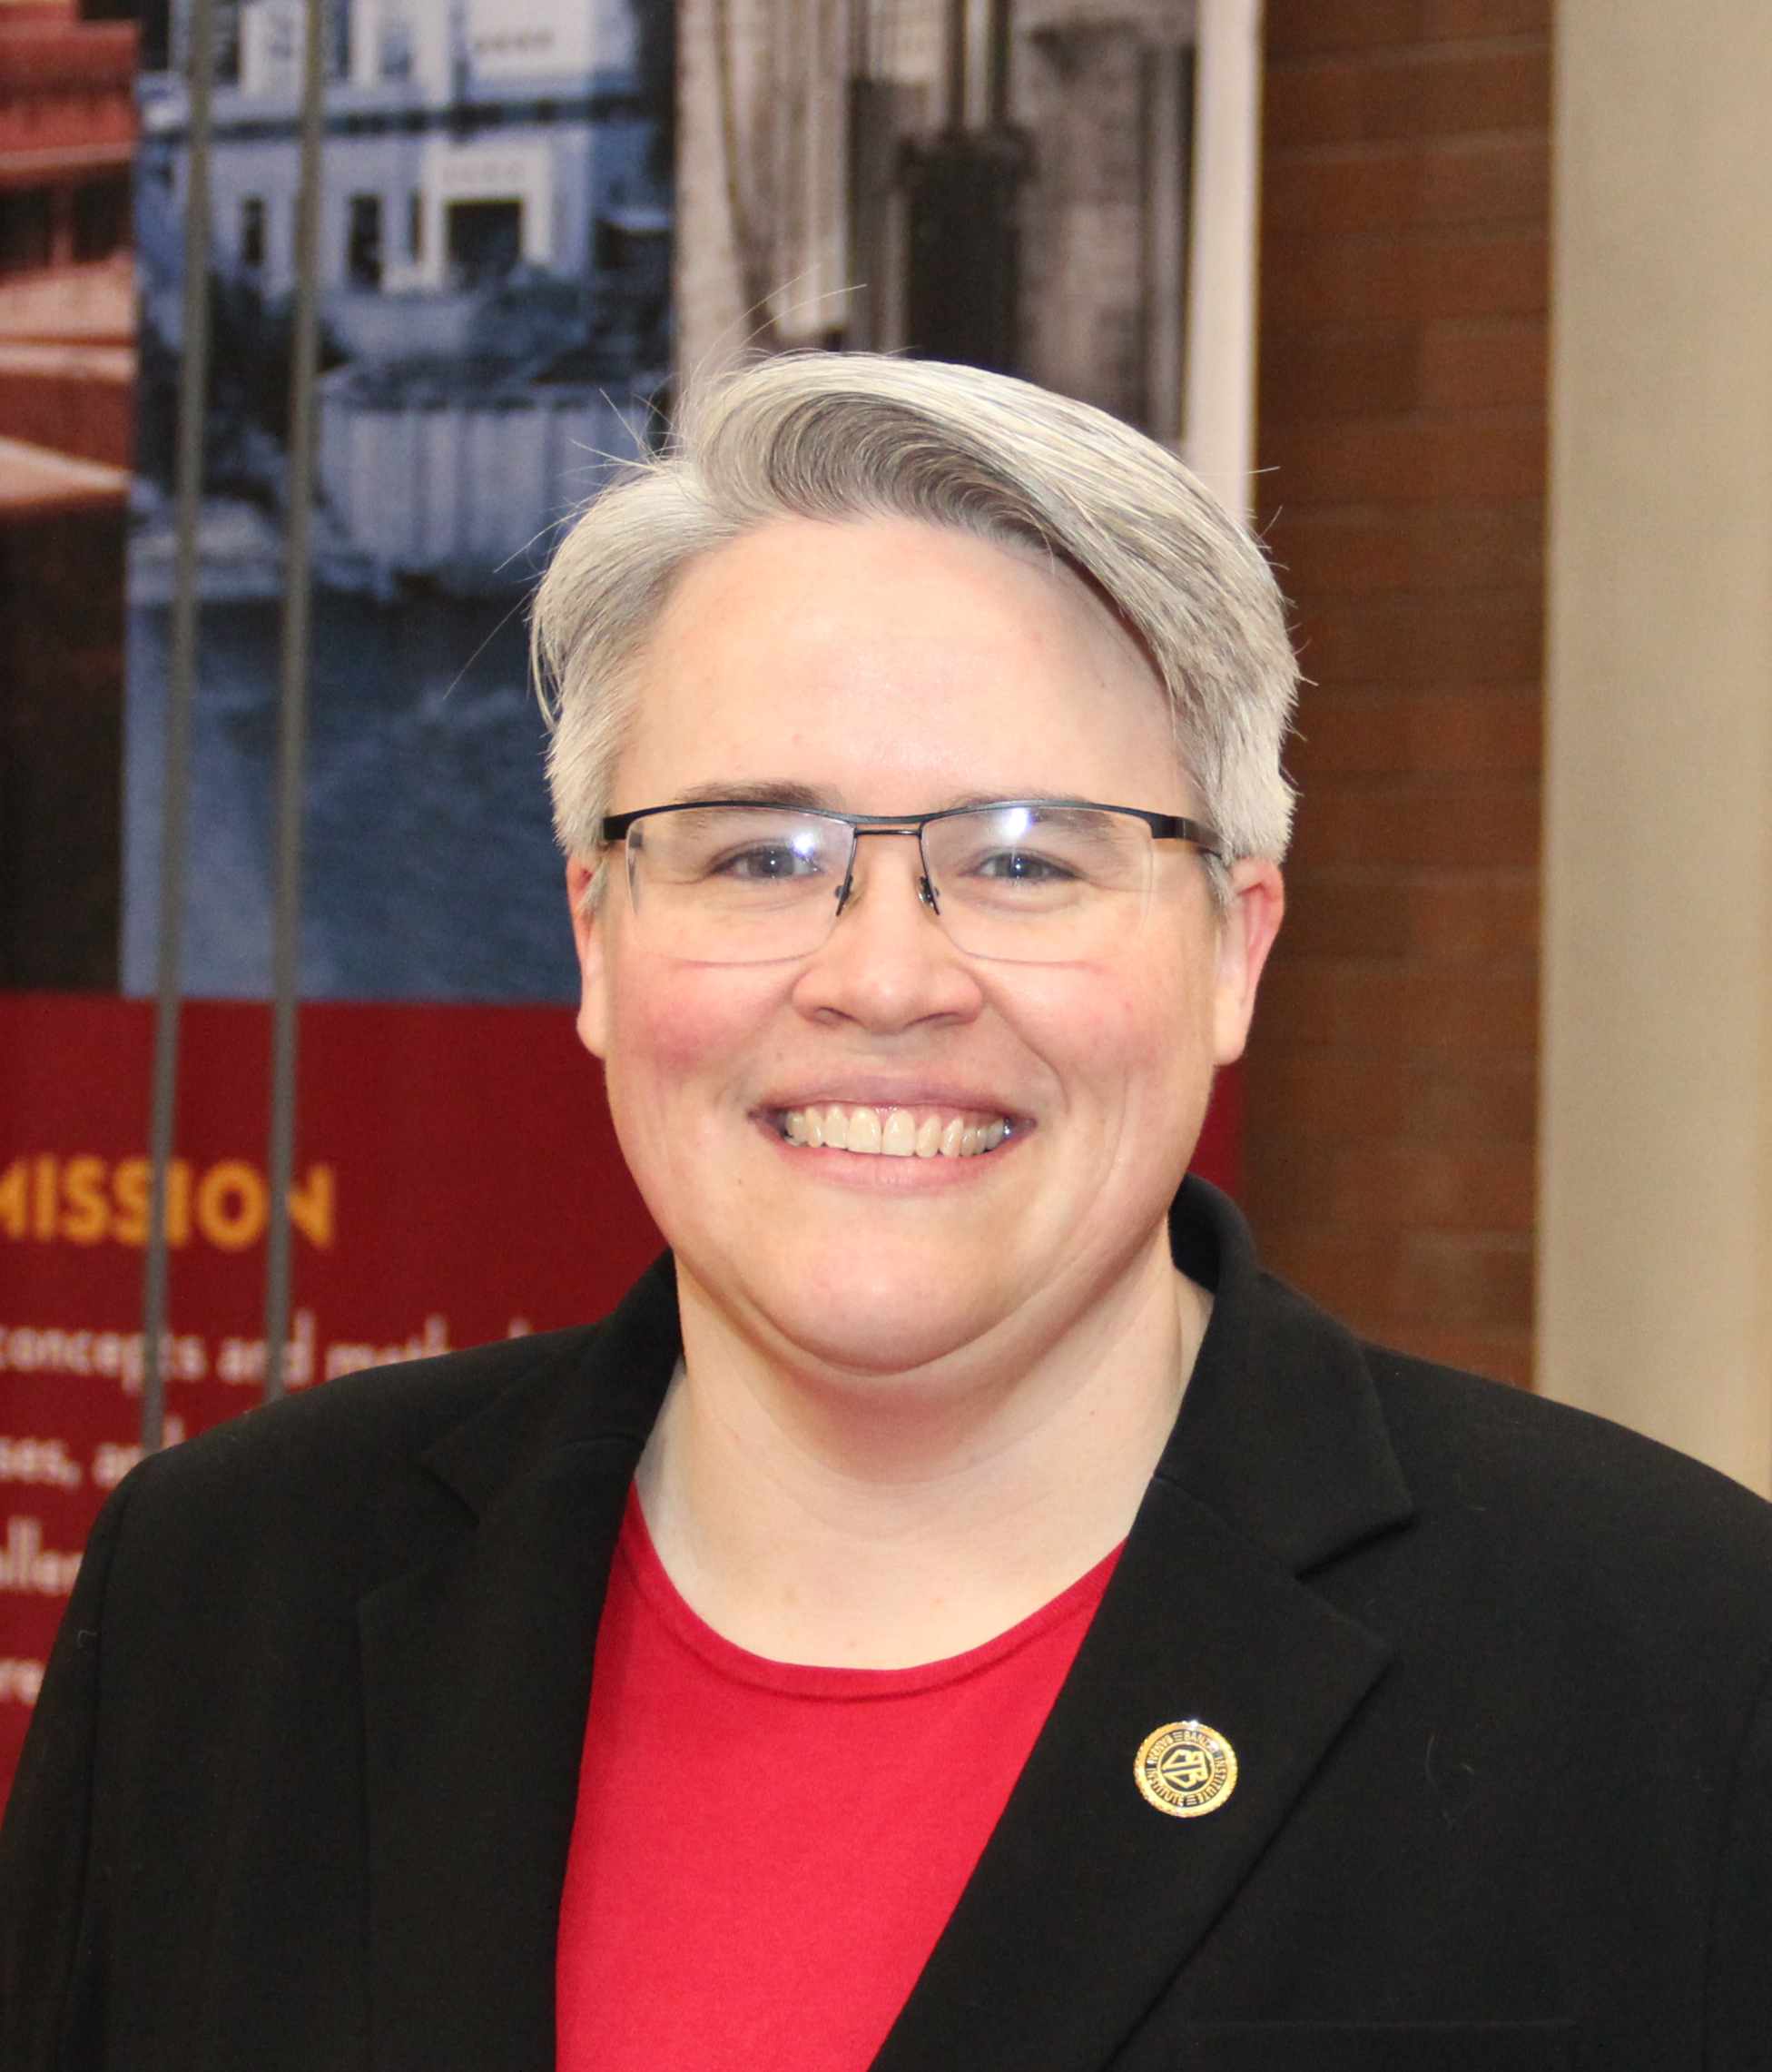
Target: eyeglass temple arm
x=1176, y=827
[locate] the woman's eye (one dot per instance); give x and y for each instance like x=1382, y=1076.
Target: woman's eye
x=776, y=861
x=1017, y=866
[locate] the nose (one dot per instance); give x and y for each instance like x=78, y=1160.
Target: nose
x=887, y=964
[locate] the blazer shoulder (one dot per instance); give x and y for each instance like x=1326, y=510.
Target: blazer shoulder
x=321, y=1449
x=364, y=1474
x=1570, y=1478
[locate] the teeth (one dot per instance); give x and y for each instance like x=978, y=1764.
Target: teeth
x=898, y=1134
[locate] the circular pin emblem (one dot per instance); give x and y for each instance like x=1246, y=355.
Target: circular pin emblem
x=1186, y=1769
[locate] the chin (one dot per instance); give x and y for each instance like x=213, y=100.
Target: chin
x=880, y=1358
x=876, y=1331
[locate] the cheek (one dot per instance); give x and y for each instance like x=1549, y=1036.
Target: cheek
x=1138, y=1036
x=678, y=1032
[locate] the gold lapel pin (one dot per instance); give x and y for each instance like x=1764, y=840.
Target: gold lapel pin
x=1186, y=1769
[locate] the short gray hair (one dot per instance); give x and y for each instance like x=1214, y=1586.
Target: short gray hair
x=845, y=437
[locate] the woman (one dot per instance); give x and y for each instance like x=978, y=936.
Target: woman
x=958, y=1612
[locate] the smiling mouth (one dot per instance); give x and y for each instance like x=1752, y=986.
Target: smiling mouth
x=894, y=1132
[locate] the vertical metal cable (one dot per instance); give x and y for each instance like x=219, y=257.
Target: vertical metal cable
x=292, y=696
x=194, y=401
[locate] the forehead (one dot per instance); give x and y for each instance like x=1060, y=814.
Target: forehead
x=893, y=658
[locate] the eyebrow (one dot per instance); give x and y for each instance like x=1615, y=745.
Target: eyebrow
x=804, y=796
x=808, y=798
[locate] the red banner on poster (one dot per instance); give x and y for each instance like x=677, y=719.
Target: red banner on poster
x=457, y=1180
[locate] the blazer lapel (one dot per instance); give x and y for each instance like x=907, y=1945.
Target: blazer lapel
x=1088, y=1899
x=476, y=1672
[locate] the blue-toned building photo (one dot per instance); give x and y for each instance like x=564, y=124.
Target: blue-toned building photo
x=495, y=269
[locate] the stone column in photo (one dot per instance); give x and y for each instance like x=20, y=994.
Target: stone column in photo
x=761, y=176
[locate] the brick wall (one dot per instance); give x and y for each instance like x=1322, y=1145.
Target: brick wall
x=1390, y=1091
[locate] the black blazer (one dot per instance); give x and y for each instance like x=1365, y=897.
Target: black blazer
x=301, y=1780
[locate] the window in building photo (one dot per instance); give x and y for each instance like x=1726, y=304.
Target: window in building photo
x=28, y=218
x=363, y=244
x=251, y=230
x=100, y=216
x=485, y=243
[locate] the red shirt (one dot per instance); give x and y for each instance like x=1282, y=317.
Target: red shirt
x=765, y=1853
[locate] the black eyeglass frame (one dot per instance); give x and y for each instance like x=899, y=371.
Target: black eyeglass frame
x=1163, y=827
x=614, y=828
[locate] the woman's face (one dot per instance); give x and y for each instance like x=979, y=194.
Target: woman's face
x=891, y=667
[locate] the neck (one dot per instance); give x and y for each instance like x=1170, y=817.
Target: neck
x=814, y=1515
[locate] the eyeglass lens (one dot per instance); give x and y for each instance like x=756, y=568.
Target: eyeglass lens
x=1025, y=884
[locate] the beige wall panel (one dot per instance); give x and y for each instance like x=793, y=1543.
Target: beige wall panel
x=1656, y=1211
x=1219, y=413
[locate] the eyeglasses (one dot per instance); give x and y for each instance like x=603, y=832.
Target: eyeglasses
x=1026, y=881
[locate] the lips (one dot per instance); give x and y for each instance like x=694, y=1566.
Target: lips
x=893, y=1132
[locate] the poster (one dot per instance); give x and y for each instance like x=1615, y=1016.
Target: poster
x=495, y=244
